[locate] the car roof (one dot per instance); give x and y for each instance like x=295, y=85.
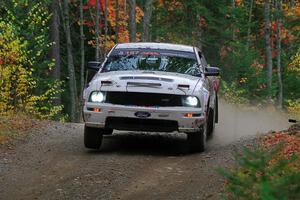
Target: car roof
x=153, y=45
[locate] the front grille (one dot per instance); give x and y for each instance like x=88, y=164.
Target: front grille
x=143, y=99
x=136, y=124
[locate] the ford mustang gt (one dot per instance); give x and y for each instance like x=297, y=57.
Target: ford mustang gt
x=152, y=87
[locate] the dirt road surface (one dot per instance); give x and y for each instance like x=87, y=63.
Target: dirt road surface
x=53, y=164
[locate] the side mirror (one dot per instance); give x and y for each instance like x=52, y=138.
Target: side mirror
x=92, y=68
x=292, y=121
x=94, y=65
x=212, y=71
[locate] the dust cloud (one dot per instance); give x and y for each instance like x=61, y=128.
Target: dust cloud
x=239, y=122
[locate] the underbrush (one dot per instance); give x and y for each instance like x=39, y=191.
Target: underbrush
x=16, y=126
x=293, y=108
x=270, y=170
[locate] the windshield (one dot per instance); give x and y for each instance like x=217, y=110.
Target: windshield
x=152, y=60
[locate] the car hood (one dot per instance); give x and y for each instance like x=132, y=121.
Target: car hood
x=144, y=81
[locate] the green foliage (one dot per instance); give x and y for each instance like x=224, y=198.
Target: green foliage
x=261, y=175
x=291, y=84
x=233, y=94
x=242, y=68
x=234, y=41
x=17, y=85
x=186, y=22
x=30, y=21
x=293, y=107
x=291, y=78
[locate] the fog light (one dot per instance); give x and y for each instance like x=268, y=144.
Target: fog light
x=188, y=115
x=192, y=114
x=97, y=109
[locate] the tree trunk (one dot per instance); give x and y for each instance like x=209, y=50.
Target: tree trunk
x=71, y=70
x=117, y=21
x=125, y=6
x=268, y=48
x=278, y=57
x=233, y=15
x=292, y=3
x=132, y=22
x=105, y=28
x=249, y=24
x=147, y=20
x=82, y=53
x=199, y=33
x=97, y=30
x=55, y=49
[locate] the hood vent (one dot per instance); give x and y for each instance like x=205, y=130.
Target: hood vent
x=138, y=84
x=183, y=86
x=151, y=78
x=106, y=83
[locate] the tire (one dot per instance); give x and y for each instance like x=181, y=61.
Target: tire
x=197, y=140
x=92, y=137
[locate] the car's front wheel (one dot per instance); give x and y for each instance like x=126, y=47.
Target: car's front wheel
x=197, y=140
x=92, y=137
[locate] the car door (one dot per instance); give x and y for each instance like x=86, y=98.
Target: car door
x=209, y=81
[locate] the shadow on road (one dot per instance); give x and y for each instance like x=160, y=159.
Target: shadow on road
x=145, y=144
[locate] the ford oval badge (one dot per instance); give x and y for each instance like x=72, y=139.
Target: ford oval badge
x=142, y=114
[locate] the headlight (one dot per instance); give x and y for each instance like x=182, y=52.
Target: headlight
x=190, y=101
x=97, y=97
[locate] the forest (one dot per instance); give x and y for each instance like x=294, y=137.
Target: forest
x=45, y=46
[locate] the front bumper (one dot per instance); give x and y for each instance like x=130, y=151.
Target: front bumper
x=97, y=115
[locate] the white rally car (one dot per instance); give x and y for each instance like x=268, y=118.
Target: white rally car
x=152, y=87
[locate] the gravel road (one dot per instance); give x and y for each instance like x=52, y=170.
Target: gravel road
x=53, y=164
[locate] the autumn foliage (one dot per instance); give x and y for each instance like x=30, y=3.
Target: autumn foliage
x=111, y=19
x=290, y=141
